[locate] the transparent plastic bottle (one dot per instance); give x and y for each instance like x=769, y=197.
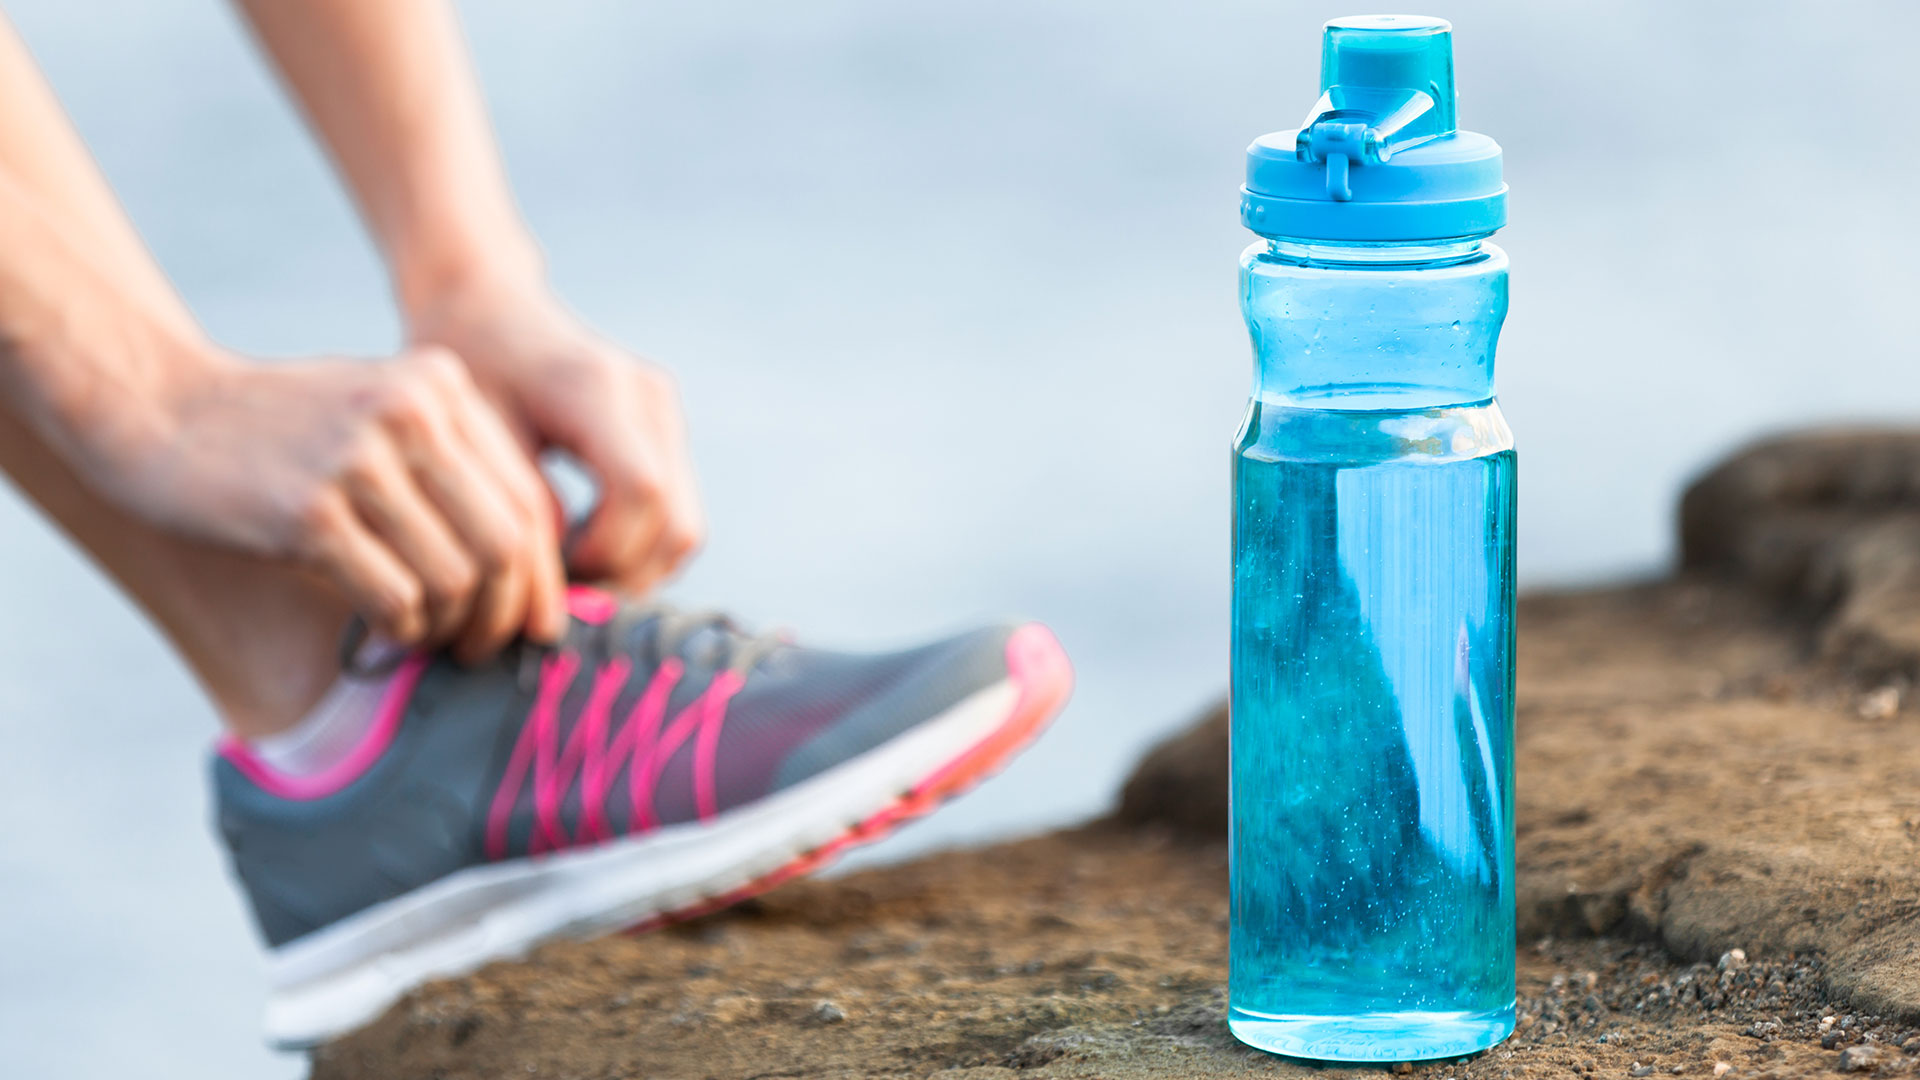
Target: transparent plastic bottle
x=1372, y=642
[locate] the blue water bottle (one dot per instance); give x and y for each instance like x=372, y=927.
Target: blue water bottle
x=1372, y=703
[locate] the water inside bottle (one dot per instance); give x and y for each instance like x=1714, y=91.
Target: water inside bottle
x=1372, y=832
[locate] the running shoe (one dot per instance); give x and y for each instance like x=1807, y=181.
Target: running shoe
x=653, y=766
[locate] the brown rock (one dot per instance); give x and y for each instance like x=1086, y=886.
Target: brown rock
x=1182, y=783
x=1829, y=521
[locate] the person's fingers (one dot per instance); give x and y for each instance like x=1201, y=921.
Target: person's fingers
x=631, y=562
x=682, y=526
x=494, y=496
x=547, y=585
x=491, y=528
x=388, y=499
x=620, y=533
x=544, y=575
x=499, y=614
x=646, y=520
x=376, y=584
x=462, y=485
x=688, y=522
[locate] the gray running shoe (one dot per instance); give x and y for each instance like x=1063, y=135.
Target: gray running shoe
x=652, y=767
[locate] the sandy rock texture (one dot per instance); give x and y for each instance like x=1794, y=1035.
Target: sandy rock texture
x=1096, y=953
x=1719, y=864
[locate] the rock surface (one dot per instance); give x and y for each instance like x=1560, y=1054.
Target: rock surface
x=1831, y=522
x=1719, y=865
x=1093, y=953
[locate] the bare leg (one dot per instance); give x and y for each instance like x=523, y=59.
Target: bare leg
x=261, y=638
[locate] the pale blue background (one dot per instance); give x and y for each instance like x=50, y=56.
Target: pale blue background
x=951, y=292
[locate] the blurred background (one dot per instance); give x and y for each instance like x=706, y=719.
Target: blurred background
x=950, y=290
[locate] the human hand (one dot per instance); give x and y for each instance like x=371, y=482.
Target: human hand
x=394, y=480
x=564, y=386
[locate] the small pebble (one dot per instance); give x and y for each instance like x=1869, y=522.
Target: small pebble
x=1860, y=1058
x=1880, y=704
x=1733, y=959
x=734, y=1009
x=1640, y=1070
x=826, y=1012
x=1721, y=1068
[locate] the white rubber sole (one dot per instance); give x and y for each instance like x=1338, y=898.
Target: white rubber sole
x=337, y=979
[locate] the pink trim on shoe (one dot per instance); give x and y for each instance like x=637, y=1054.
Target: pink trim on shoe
x=552, y=778
x=386, y=723
x=556, y=674
x=596, y=779
x=591, y=605
x=713, y=717
x=589, y=756
x=642, y=731
x=646, y=774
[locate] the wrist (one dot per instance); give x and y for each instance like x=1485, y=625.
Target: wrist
x=111, y=421
x=430, y=278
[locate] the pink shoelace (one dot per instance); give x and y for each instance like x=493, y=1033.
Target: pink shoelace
x=645, y=740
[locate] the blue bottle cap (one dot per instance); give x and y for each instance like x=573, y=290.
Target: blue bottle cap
x=1378, y=158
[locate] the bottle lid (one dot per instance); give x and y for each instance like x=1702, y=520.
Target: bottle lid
x=1379, y=157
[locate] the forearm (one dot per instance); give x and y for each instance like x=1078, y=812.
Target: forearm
x=46, y=160
x=91, y=333
x=388, y=85
x=86, y=358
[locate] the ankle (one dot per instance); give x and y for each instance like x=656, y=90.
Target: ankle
x=262, y=638
x=264, y=645
x=342, y=737
x=266, y=686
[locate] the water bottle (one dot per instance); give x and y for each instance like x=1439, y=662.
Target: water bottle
x=1372, y=700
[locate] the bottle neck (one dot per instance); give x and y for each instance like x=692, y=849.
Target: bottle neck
x=1355, y=254
x=1374, y=326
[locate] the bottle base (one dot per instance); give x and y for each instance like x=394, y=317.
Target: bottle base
x=1386, y=1036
